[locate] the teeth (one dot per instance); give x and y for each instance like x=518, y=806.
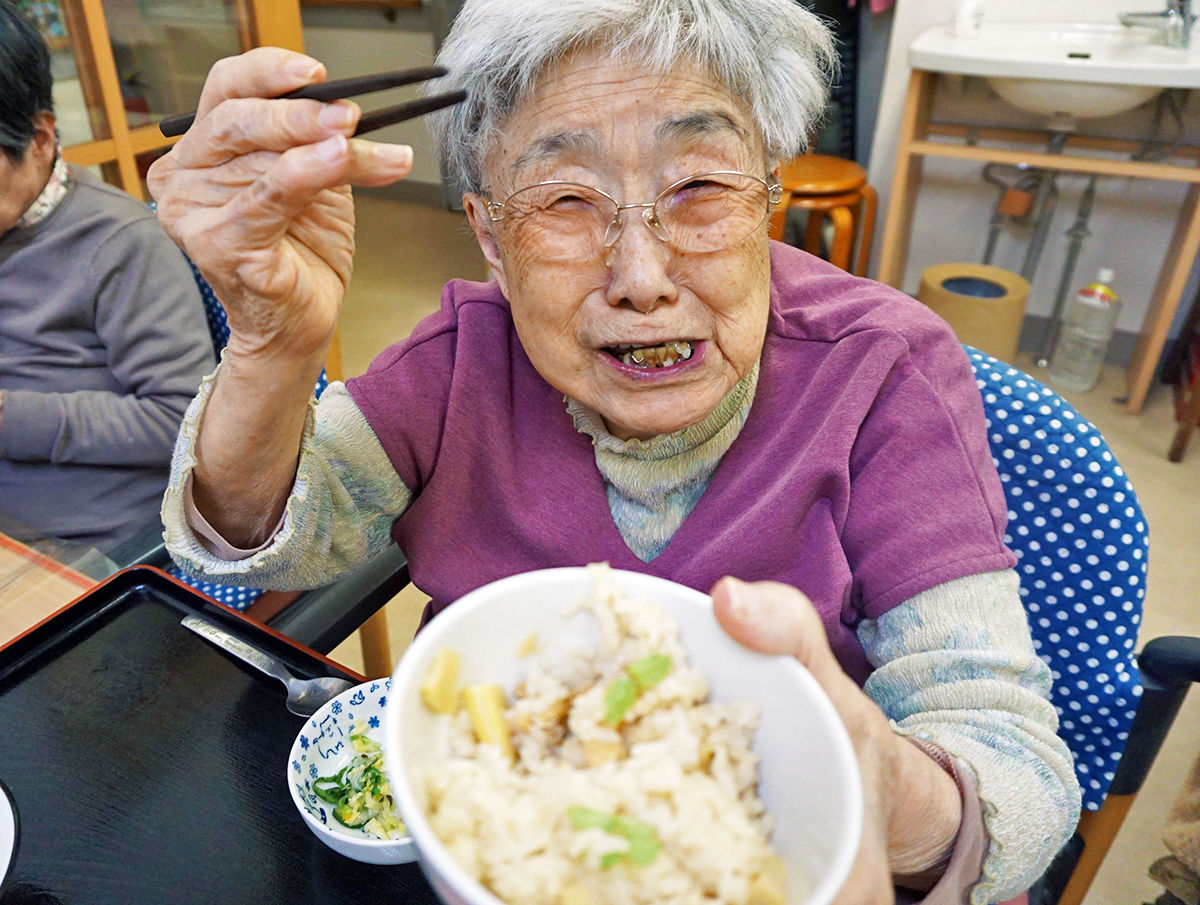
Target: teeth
x=663, y=355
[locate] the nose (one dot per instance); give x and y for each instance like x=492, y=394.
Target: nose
x=638, y=263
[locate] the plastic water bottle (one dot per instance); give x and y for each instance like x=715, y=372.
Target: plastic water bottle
x=1087, y=328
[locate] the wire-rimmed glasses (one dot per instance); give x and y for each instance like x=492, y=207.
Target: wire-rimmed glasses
x=702, y=213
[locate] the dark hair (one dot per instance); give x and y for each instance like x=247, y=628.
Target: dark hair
x=25, y=81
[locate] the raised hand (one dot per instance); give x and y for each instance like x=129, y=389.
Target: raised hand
x=258, y=195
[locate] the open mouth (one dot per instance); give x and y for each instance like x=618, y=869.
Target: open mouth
x=662, y=355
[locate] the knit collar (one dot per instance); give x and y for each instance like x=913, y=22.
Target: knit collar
x=51, y=196
x=714, y=434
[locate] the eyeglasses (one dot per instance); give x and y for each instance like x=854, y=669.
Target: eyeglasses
x=702, y=213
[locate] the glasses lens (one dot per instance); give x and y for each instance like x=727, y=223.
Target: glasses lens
x=559, y=220
x=713, y=211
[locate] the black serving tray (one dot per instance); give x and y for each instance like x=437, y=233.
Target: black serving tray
x=149, y=766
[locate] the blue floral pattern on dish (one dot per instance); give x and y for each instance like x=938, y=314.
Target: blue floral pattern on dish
x=323, y=747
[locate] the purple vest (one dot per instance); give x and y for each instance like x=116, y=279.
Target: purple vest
x=862, y=475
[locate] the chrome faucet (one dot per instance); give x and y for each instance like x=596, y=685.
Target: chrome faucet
x=1175, y=21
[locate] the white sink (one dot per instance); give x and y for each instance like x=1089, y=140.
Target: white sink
x=1068, y=69
x=1081, y=100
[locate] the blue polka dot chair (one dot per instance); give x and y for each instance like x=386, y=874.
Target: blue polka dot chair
x=218, y=324
x=1081, y=544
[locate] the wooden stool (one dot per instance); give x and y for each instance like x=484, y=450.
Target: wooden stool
x=833, y=187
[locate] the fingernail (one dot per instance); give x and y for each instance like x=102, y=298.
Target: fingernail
x=303, y=68
x=396, y=155
x=739, y=600
x=331, y=148
x=336, y=116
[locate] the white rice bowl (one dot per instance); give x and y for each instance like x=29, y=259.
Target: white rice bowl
x=476, y=818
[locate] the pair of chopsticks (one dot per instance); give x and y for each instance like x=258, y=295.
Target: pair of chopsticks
x=365, y=84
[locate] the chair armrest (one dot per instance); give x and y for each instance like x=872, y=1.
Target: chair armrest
x=1172, y=660
x=323, y=618
x=146, y=548
x=1169, y=665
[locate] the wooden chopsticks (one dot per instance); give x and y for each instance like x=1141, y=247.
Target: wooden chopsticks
x=363, y=84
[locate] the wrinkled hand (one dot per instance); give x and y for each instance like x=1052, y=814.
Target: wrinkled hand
x=258, y=195
x=911, y=805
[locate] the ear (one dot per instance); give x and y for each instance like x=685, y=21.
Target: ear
x=44, y=143
x=484, y=227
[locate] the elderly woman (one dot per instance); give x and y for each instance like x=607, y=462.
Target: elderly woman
x=646, y=380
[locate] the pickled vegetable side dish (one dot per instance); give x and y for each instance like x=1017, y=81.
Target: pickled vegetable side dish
x=360, y=793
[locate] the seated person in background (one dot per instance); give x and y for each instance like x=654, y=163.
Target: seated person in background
x=103, y=340
x=646, y=381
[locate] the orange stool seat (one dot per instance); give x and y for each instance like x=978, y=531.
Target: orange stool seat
x=818, y=174
x=835, y=188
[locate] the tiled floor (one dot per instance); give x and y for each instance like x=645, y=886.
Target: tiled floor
x=405, y=254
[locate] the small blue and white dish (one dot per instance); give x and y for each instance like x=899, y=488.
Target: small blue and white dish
x=322, y=749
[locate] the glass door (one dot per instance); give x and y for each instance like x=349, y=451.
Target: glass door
x=120, y=66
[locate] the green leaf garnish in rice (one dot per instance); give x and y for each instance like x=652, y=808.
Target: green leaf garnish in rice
x=649, y=671
x=639, y=677
x=618, y=699
x=641, y=836
x=586, y=819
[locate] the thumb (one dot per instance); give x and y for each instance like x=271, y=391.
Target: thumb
x=774, y=618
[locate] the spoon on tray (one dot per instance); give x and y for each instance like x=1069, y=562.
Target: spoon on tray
x=305, y=696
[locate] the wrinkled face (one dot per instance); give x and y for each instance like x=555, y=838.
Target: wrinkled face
x=649, y=336
x=22, y=182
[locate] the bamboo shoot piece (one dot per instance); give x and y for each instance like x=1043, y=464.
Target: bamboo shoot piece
x=439, y=688
x=769, y=888
x=486, y=705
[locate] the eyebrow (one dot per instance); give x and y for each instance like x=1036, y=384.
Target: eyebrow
x=695, y=125
x=582, y=143
x=577, y=142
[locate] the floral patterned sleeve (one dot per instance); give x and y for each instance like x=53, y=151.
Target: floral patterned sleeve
x=956, y=669
x=340, y=512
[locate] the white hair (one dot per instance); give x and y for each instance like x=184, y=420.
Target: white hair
x=774, y=55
